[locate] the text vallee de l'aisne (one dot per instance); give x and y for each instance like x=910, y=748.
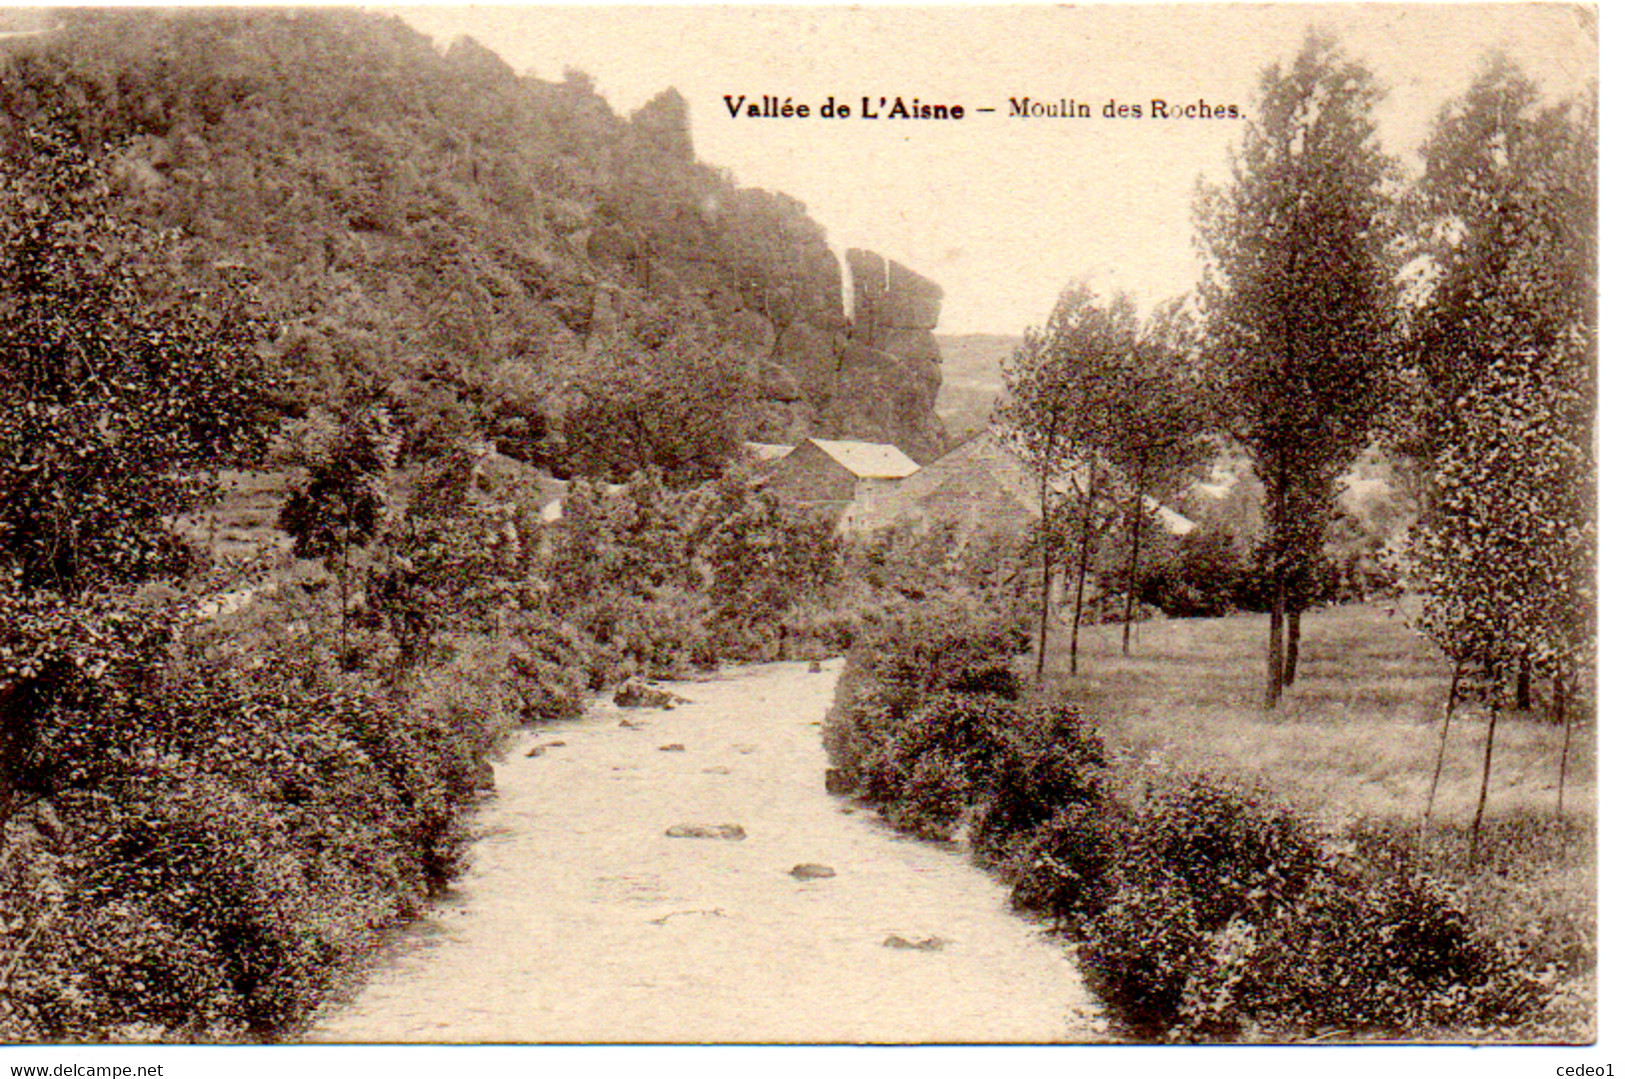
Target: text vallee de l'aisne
x=773, y=107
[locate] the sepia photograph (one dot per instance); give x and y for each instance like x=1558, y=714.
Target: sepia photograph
x=797, y=526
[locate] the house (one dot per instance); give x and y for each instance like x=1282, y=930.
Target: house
x=982, y=487
x=849, y=477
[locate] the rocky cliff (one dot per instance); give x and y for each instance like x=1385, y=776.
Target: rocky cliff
x=434, y=230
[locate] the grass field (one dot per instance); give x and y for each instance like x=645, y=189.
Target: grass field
x=1356, y=737
x=1352, y=746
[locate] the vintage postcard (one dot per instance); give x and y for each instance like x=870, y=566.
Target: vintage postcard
x=791, y=525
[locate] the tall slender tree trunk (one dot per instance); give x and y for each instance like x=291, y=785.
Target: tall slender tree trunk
x=1484, y=783
x=1083, y=564
x=1272, y=692
x=1043, y=601
x=1522, y=701
x=1043, y=542
x=1289, y=667
x=1276, y=660
x=1560, y=709
x=1438, y=763
x=1138, y=509
x=344, y=596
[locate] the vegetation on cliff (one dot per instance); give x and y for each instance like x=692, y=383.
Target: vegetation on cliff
x=466, y=246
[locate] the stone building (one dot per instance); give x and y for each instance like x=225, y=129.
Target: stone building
x=845, y=477
x=981, y=487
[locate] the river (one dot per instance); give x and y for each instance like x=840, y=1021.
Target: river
x=581, y=920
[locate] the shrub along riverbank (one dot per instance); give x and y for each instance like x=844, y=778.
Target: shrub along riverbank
x=204, y=820
x=197, y=840
x=1203, y=910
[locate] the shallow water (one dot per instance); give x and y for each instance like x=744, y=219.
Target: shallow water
x=580, y=920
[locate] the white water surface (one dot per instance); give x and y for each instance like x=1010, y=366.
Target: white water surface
x=580, y=920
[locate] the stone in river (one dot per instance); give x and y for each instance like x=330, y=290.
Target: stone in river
x=924, y=944
x=675, y=747
x=636, y=694
x=812, y=871
x=706, y=831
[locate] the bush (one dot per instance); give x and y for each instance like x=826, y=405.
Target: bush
x=1397, y=956
x=954, y=645
x=679, y=579
x=217, y=833
x=929, y=794
x=1206, y=911
x=940, y=757
x=1063, y=868
x=1054, y=763
x=1236, y=852
x=1227, y=918
x=1211, y=573
x=952, y=640
x=1141, y=948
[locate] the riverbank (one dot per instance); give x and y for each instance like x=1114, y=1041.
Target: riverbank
x=581, y=920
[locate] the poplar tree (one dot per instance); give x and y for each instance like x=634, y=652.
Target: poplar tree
x=1034, y=420
x=1300, y=300
x=1503, y=361
x=1150, y=422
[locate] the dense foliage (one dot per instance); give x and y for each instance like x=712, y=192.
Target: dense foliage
x=671, y=580
x=1203, y=911
x=129, y=374
x=431, y=231
x=1299, y=304
x=1504, y=368
x=204, y=841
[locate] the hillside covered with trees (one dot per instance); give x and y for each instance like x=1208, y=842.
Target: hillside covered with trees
x=475, y=250
x=309, y=250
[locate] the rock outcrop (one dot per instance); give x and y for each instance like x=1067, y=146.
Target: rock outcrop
x=480, y=231
x=888, y=368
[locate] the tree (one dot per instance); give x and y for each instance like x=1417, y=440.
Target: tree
x=656, y=396
x=1299, y=301
x=1503, y=364
x=128, y=378
x=125, y=381
x=1095, y=388
x=341, y=506
x=763, y=556
x=1037, y=419
x=453, y=559
x=1085, y=513
x=1092, y=347
x=1152, y=415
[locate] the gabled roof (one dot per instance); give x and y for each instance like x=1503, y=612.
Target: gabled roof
x=1173, y=522
x=985, y=460
x=764, y=451
x=868, y=460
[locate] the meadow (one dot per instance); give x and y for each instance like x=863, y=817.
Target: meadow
x=1356, y=738
x=1352, y=747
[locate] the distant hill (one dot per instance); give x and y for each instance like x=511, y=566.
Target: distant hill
x=971, y=379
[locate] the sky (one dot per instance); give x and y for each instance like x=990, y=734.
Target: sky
x=1003, y=211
